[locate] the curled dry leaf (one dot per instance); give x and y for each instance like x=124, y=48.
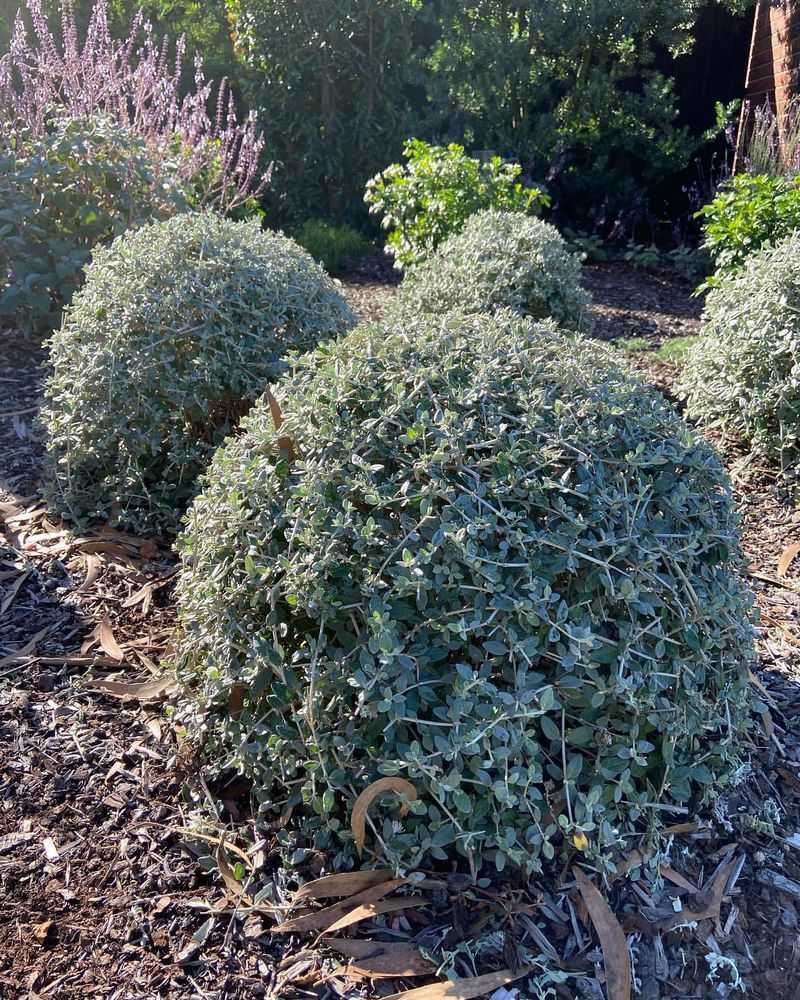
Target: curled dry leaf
x=358, y=820
x=346, y=884
x=463, y=989
x=788, y=556
x=321, y=920
x=616, y=956
x=108, y=643
x=284, y=443
x=94, y=565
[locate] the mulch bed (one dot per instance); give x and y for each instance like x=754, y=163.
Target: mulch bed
x=109, y=886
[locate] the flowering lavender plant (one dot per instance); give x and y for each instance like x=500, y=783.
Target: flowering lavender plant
x=218, y=157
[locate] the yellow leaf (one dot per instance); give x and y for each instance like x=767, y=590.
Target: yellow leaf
x=581, y=841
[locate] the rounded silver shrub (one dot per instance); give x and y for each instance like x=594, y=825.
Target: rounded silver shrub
x=479, y=556
x=180, y=326
x=743, y=376
x=499, y=260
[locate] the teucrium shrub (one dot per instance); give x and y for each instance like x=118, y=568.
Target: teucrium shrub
x=496, y=565
x=743, y=376
x=499, y=260
x=177, y=331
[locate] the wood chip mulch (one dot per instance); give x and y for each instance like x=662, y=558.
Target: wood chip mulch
x=110, y=880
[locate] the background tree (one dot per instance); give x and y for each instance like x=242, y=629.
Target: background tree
x=334, y=80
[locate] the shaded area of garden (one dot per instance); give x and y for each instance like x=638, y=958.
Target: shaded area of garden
x=97, y=861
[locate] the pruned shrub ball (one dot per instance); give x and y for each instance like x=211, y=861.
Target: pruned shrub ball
x=478, y=556
x=499, y=260
x=743, y=376
x=179, y=328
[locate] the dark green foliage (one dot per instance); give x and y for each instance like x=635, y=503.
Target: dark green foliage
x=177, y=331
x=330, y=79
x=61, y=194
x=497, y=566
x=750, y=212
x=431, y=196
x=330, y=244
x=499, y=260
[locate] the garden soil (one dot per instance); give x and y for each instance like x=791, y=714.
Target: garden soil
x=109, y=887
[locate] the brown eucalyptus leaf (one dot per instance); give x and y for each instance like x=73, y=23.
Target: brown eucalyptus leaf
x=284, y=443
x=108, y=642
x=27, y=650
x=358, y=821
x=676, y=878
x=346, y=884
x=321, y=920
x=382, y=959
x=155, y=690
x=616, y=957
x=94, y=565
x=13, y=591
x=232, y=883
x=463, y=989
x=366, y=911
x=788, y=556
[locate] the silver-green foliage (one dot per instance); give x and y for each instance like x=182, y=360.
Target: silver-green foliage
x=499, y=260
x=744, y=374
x=177, y=331
x=495, y=565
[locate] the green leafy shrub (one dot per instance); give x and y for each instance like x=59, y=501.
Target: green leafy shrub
x=751, y=211
x=743, y=376
x=178, y=329
x=62, y=193
x=497, y=566
x=331, y=244
x=428, y=199
x=499, y=260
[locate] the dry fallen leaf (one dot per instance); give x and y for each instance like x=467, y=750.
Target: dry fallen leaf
x=94, y=565
x=147, y=691
x=108, y=643
x=710, y=898
x=13, y=591
x=284, y=443
x=346, y=884
x=381, y=959
x=42, y=930
x=788, y=556
x=358, y=821
x=676, y=878
x=462, y=989
x=236, y=700
x=27, y=650
x=321, y=920
x=366, y=911
x=616, y=956
x=232, y=883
